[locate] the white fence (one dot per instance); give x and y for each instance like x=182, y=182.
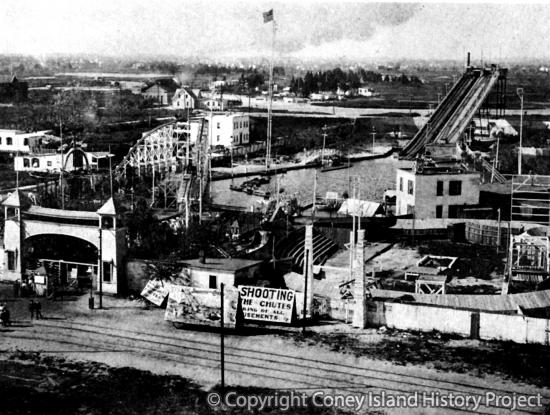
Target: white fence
x=486, y=326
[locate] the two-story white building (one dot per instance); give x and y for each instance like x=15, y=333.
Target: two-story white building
x=15, y=141
x=436, y=191
x=228, y=129
x=186, y=98
x=73, y=159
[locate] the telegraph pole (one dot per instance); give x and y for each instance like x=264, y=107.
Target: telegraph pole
x=100, y=262
x=520, y=94
x=270, y=101
x=222, y=345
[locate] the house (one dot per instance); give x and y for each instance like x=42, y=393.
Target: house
x=228, y=129
x=211, y=272
x=13, y=90
x=160, y=91
x=16, y=141
x=186, y=98
x=365, y=91
x=436, y=190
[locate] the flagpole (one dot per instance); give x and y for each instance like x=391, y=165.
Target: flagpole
x=270, y=100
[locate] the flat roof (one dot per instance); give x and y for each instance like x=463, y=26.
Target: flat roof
x=441, y=170
x=58, y=213
x=221, y=264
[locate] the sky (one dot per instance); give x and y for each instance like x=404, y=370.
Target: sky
x=309, y=29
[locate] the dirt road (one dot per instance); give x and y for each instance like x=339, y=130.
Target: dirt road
x=126, y=335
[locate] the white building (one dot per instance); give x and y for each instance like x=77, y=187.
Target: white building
x=365, y=91
x=436, y=191
x=15, y=141
x=185, y=98
x=211, y=272
x=74, y=159
x=228, y=129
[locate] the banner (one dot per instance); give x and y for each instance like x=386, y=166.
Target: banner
x=155, y=291
x=190, y=305
x=266, y=304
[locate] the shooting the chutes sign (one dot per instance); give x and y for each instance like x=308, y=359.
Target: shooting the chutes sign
x=266, y=304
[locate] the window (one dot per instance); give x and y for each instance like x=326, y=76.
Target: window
x=9, y=141
x=11, y=260
x=107, y=271
x=439, y=188
x=453, y=211
x=218, y=138
x=212, y=281
x=0, y=140
x=218, y=125
x=401, y=184
x=439, y=211
x=26, y=162
x=25, y=141
x=455, y=187
x=107, y=222
x=35, y=162
x=410, y=187
x=49, y=164
x=11, y=213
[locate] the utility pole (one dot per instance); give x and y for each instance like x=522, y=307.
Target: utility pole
x=100, y=263
x=62, y=165
x=270, y=101
x=110, y=171
x=495, y=161
x=222, y=345
x=373, y=136
x=520, y=94
x=313, y=207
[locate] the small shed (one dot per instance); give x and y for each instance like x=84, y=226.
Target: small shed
x=211, y=272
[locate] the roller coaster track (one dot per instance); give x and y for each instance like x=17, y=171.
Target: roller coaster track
x=452, y=116
x=161, y=149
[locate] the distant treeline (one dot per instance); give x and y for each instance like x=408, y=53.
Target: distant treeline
x=337, y=78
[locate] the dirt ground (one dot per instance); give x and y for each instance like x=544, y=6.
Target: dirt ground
x=127, y=337
x=41, y=385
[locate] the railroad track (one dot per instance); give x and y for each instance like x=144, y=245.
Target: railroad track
x=245, y=365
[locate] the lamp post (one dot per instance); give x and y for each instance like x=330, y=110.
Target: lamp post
x=520, y=95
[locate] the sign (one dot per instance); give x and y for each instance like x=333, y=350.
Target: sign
x=155, y=292
x=266, y=304
x=190, y=305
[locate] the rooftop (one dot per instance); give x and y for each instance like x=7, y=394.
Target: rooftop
x=221, y=264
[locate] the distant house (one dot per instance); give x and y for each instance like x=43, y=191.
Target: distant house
x=12, y=90
x=219, y=104
x=185, y=98
x=365, y=91
x=160, y=91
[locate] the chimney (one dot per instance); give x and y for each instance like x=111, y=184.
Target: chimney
x=468, y=60
x=202, y=257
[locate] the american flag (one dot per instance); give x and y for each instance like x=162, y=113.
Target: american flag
x=268, y=16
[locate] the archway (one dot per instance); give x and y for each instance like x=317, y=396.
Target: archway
x=66, y=259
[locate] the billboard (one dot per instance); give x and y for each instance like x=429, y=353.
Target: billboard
x=155, y=291
x=190, y=305
x=266, y=304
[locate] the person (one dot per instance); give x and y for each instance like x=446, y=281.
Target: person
x=32, y=307
x=38, y=310
x=5, y=316
x=16, y=288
